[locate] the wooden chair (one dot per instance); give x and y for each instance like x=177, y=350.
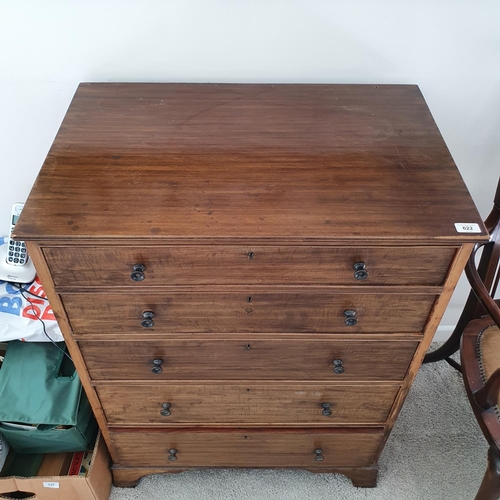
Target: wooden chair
x=480, y=348
x=487, y=271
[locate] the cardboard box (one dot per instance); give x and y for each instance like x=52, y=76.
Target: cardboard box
x=95, y=486
x=55, y=464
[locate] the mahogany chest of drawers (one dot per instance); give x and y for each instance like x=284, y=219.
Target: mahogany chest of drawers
x=248, y=275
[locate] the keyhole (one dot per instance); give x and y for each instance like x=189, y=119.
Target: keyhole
x=249, y=299
x=248, y=346
x=250, y=255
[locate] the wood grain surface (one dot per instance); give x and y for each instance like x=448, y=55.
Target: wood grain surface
x=271, y=265
x=248, y=447
x=214, y=312
x=264, y=404
x=291, y=162
x=248, y=358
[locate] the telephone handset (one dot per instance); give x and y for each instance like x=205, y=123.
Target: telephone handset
x=15, y=264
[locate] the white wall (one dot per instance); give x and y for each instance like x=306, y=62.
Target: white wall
x=451, y=48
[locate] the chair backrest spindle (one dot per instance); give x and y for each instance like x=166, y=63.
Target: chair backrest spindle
x=488, y=266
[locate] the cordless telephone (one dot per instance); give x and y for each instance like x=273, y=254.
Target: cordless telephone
x=15, y=264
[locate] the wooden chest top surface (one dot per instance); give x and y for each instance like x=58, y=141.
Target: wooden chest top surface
x=293, y=163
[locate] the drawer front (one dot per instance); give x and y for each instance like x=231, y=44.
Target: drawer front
x=261, y=312
x=251, y=403
x=247, y=359
x=210, y=265
x=247, y=447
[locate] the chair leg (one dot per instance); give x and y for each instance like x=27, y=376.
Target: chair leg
x=451, y=346
x=490, y=486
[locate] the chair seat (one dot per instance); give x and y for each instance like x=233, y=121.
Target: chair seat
x=489, y=350
x=480, y=358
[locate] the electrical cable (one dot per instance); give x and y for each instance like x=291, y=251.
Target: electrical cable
x=21, y=290
x=17, y=285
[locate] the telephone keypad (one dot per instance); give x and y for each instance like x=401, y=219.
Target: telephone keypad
x=17, y=252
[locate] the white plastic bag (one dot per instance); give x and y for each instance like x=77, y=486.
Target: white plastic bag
x=20, y=315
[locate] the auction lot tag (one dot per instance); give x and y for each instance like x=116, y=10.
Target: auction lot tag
x=50, y=484
x=464, y=227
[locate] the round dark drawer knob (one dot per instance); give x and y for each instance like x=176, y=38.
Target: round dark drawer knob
x=319, y=455
x=360, y=272
x=156, y=368
x=338, y=368
x=350, y=318
x=327, y=409
x=172, y=454
x=148, y=322
x=138, y=272
x=165, y=409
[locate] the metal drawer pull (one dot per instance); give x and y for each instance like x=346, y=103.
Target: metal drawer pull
x=337, y=363
x=172, y=457
x=360, y=272
x=148, y=322
x=165, y=411
x=156, y=368
x=327, y=409
x=319, y=455
x=138, y=272
x=350, y=318
x=250, y=255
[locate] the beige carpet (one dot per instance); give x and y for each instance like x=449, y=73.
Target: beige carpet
x=436, y=451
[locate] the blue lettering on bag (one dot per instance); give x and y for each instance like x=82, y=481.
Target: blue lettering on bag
x=11, y=306
x=11, y=289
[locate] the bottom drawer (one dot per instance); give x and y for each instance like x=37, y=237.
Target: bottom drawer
x=248, y=447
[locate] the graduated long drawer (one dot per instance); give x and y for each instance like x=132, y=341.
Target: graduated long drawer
x=247, y=447
x=247, y=359
x=291, y=311
x=290, y=265
x=250, y=403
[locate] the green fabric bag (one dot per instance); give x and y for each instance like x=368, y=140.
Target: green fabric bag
x=34, y=391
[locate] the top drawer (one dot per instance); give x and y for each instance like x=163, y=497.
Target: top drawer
x=227, y=265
